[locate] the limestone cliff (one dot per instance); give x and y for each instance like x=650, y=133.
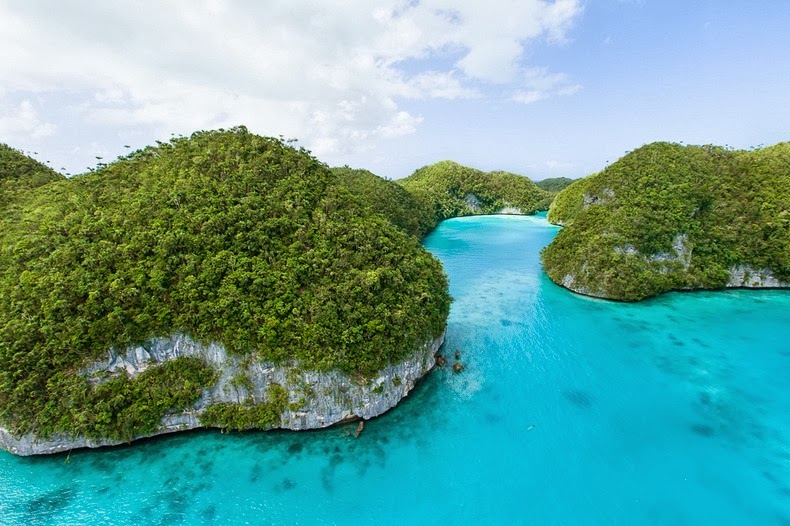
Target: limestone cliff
x=741, y=277
x=316, y=399
x=744, y=276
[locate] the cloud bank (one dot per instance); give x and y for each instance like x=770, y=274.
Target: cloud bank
x=338, y=75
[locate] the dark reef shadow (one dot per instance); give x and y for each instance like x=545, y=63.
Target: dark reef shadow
x=579, y=398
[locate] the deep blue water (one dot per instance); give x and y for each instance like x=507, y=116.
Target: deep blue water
x=570, y=411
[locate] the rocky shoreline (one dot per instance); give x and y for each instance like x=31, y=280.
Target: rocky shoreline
x=740, y=277
x=316, y=399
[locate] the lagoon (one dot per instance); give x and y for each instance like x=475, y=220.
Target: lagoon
x=571, y=410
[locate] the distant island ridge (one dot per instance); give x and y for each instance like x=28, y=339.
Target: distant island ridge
x=233, y=281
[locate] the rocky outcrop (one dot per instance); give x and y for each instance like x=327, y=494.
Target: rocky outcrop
x=475, y=205
x=316, y=399
x=741, y=276
x=606, y=195
x=569, y=282
x=473, y=202
x=681, y=254
x=744, y=276
x=510, y=210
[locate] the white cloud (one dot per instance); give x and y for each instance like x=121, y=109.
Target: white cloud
x=441, y=85
x=539, y=84
x=554, y=164
x=23, y=121
x=329, y=73
x=569, y=90
x=528, y=96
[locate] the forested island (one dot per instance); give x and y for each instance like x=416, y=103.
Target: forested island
x=224, y=280
x=554, y=185
x=234, y=281
x=453, y=190
x=222, y=238
x=672, y=217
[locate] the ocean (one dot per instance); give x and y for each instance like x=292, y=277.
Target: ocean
x=570, y=410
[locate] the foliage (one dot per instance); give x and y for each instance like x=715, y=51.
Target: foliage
x=568, y=202
x=260, y=415
x=388, y=200
x=119, y=408
x=122, y=408
x=226, y=236
x=668, y=217
x=452, y=190
x=554, y=184
x=19, y=173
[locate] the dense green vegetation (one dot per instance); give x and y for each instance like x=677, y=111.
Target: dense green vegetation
x=226, y=236
x=121, y=408
x=250, y=414
x=554, y=184
x=668, y=217
x=388, y=200
x=452, y=190
x=19, y=173
x=569, y=202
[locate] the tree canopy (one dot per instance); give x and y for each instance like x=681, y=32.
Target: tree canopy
x=19, y=173
x=388, y=200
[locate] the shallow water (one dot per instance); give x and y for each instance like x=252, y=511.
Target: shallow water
x=570, y=411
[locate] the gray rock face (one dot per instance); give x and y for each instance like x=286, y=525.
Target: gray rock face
x=316, y=399
x=606, y=195
x=744, y=276
x=510, y=210
x=472, y=201
x=569, y=282
x=681, y=254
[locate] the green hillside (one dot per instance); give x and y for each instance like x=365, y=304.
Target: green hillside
x=668, y=217
x=226, y=236
x=452, y=190
x=554, y=184
x=569, y=202
x=19, y=173
x=388, y=200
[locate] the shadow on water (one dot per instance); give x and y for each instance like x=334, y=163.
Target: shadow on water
x=209, y=514
x=703, y=430
x=176, y=473
x=677, y=342
x=579, y=398
x=287, y=484
x=44, y=508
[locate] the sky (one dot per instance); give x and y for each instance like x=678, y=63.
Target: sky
x=539, y=88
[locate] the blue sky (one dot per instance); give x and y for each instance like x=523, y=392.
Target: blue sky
x=540, y=88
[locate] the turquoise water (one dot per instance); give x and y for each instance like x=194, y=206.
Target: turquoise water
x=570, y=411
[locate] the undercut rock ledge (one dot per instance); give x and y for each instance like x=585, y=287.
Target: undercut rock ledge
x=316, y=399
